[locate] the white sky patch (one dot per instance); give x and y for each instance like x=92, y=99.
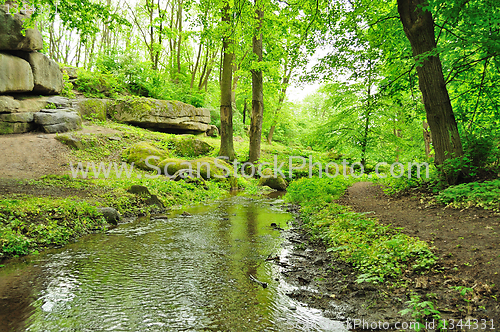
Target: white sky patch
x=297, y=92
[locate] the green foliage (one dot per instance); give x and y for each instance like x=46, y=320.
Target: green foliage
x=422, y=310
x=392, y=185
x=377, y=251
x=482, y=155
x=98, y=84
x=140, y=152
x=316, y=189
x=67, y=90
x=136, y=77
x=475, y=194
x=32, y=222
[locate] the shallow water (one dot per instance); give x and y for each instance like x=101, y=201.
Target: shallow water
x=177, y=274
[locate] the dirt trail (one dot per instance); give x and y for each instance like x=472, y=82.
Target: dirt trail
x=32, y=155
x=466, y=241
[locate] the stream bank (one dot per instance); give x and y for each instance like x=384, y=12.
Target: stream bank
x=449, y=290
x=192, y=269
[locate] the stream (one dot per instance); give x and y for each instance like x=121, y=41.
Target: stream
x=175, y=273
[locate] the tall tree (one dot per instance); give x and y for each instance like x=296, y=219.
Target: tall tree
x=226, y=110
x=418, y=26
x=257, y=88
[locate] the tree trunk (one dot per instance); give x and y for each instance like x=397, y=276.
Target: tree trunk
x=235, y=86
x=226, y=112
x=257, y=92
x=180, y=41
x=271, y=133
x=195, y=70
x=245, y=112
x=284, y=87
x=419, y=28
x=427, y=139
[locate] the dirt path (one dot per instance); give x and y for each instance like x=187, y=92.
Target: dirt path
x=32, y=155
x=466, y=241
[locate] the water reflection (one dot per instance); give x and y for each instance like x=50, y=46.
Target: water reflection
x=176, y=274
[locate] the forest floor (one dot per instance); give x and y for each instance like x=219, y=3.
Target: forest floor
x=464, y=241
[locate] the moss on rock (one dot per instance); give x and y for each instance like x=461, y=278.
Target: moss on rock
x=93, y=109
x=173, y=165
x=209, y=169
x=268, y=179
x=139, y=152
x=191, y=147
x=70, y=141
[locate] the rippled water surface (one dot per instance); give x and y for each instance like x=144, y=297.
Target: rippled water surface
x=184, y=273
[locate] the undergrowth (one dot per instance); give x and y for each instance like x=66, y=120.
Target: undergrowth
x=475, y=194
x=29, y=223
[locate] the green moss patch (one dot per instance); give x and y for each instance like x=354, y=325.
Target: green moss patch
x=191, y=147
x=143, y=152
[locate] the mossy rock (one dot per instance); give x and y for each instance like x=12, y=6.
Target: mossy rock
x=139, y=152
x=173, y=165
x=209, y=169
x=191, y=147
x=93, y=109
x=70, y=141
x=268, y=179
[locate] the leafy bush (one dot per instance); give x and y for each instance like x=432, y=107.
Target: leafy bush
x=122, y=73
x=98, y=84
x=475, y=194
x=67, y=90
x=481, y=154
x=306, y=190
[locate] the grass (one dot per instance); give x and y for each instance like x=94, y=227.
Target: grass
x=28, y=223
x=375, y=250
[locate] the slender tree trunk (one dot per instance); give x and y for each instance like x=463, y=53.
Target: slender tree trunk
x=226, y=112
x=287, y=74
x=427, y=139
x=419, y=28
x=235, y=86
x=202, y=76
x=193, y=75
x=180, y=41
x=245, y=111
x=364, y=141
x=271, y=133
x=257, y=92
x=79, y=52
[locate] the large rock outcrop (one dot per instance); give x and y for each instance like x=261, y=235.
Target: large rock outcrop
x=47, y=76
x=22, y=67
x=27, y=113
x=15, y=74
x=58, y=120
x=162, y=115
x=16, y=116
x=11, y=36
